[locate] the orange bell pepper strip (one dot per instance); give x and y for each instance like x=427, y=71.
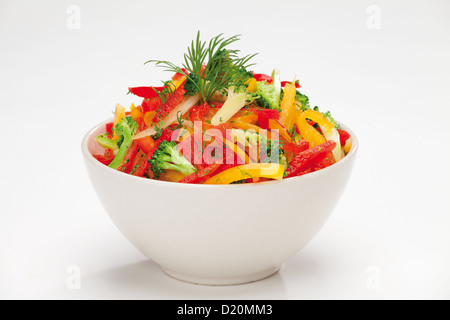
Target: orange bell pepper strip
x=147, y=144
x=248, y=171
x=148, y=117
x=136, y=112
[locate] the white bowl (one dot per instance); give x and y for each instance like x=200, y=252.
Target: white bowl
x=218, y=234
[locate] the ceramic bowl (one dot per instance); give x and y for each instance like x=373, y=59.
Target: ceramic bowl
x=218, y=234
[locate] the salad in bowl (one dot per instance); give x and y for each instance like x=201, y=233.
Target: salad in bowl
x=163, y=168
x=218, y=122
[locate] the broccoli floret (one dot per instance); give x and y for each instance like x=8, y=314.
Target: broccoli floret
x=304, y=100
x=191, y=84
x=269, y=94
x=328, y=115
x=125, y=130
x=169, y=157
x=242, y=76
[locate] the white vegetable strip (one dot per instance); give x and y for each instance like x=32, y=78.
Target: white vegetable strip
x=229, y=109
x=333, y=134
x=181, y=109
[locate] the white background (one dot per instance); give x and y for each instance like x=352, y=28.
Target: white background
x=389, y=237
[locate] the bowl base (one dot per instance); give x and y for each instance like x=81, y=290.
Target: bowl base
x=228, y=281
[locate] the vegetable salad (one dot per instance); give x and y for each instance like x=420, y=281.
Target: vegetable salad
x=217, y=122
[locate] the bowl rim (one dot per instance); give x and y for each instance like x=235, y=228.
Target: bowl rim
x=89, y=157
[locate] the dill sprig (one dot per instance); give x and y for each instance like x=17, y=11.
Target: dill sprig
x=223, y=65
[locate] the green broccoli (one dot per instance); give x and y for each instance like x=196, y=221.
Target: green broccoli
x=304, y=100
x=242, y=76
x=328, y=115
x=125, y=130
x=269, y=94
x=191, y=84
x=169, y=157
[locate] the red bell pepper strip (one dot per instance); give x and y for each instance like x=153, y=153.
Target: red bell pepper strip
x=343, y=136
x=107, y=158
x=141, y=124
x=296, y=148
x=198, y=112
x=308, y=158
x=202, y=175
x=152, y=104
x=165, y=135
x=265, y=77
x=146, y=92
x=264, y=115
x=217, y=105
x=129, y=158
x=174, y=100
x=109, y=127
x=262, y=77
x=325, y=162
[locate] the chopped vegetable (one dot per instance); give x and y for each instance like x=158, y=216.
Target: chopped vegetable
x=202, y=175
x=171, y=103
x=248, y=171
x=168, y=157
x=302, y=101
x=125, y=130
x=118, y=116
x=265, y=115
x=269, y=94
x=306, y=159
x=107, y=143
x=234, y=103
x=288, y=111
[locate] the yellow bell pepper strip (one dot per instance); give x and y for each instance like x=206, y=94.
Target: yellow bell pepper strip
x=328, y=130
x=247, y=171
x=275, y=125
x=251, y=85
x=319, y=118
x=308, y=132
x=119, y=114
x=288, y=107
x=348, y=145
x=314, y=137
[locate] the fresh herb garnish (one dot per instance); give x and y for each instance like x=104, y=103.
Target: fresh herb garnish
x=221, y=66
